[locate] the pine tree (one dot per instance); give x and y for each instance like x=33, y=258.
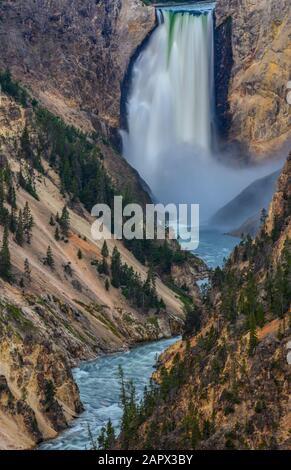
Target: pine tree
x=19, y=236
x=12, y=221
x=107, y=284
x=151, y=279
x=25, y=146
x=263, y=217
x=49, y=258
x=80, y=254
x=103, y=267
x=65, y=222
x=52, y=222
x=5, y=262
x=162, y=305
x=130, y=410
x=11, y=196
x=253, y=341
x=27, y=181
x=277, y=226
x=150, y=291
x=104, y=251
x=115, y=268
x=107, y=438
x=27, y=152
x=193, y=320
x=260, y=315
x=27, y=223
x=27, y=270
x=57, y=234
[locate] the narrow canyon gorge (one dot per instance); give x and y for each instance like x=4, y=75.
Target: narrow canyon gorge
x=168, y=102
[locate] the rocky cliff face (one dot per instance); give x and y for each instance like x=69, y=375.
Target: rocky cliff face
x=226, y=385
x=222, y=399
x=258, y=56
x=38, y=396
x=73, y=55
x=51, y=319
x=279, y=213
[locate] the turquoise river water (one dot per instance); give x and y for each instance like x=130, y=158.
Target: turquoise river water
x=98, y=379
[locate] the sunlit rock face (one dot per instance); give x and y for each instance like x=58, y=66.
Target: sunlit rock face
x=74, y=54
x=259, y=55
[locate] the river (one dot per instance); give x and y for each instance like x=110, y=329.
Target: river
x=98, y=379
x=99, y=390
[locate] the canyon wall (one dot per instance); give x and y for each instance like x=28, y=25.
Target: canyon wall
x=226, y=384
x=51, y=318
x=73, y=54
x=253, y=38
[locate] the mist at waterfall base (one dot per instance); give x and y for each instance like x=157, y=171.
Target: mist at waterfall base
x=170, y=110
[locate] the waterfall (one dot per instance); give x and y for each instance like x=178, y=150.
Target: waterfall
x=170, y=113
x=170, y=104
x=185, y=72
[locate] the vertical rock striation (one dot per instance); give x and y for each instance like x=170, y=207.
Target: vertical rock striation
x=259, y=54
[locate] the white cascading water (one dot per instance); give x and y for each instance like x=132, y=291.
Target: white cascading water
x=171, y=97
x=172, y=101
x=170, y=113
